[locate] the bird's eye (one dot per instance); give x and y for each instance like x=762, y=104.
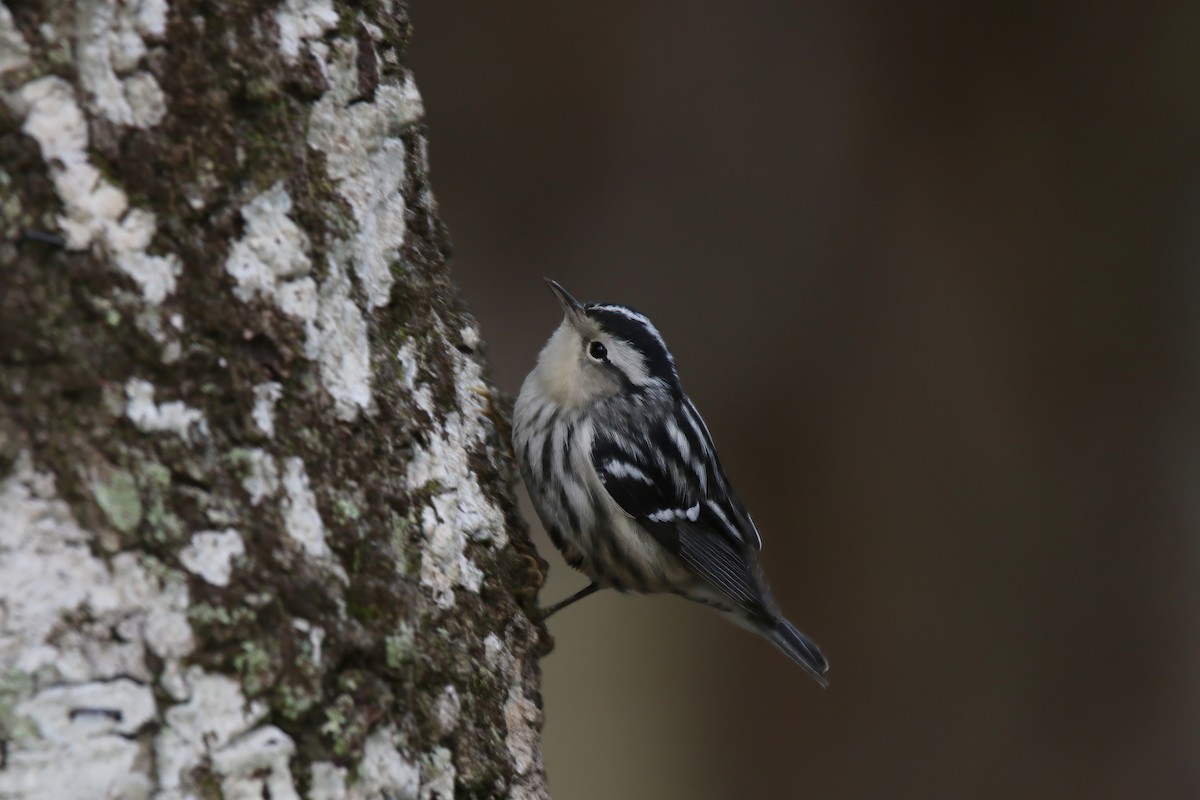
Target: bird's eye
x=597, y=351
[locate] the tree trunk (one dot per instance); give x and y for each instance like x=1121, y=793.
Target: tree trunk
x=257, y=529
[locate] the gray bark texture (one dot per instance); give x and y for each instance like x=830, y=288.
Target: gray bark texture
x=258, y=536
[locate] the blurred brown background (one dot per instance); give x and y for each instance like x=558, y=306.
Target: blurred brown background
x=931, y=276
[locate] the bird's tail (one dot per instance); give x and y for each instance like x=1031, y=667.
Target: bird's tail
x=799, y=648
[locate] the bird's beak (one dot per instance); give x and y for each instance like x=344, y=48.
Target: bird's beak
x=570, y=305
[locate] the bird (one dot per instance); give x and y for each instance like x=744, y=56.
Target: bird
x=623, y=474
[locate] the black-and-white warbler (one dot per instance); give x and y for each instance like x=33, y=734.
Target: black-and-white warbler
x=623, y=473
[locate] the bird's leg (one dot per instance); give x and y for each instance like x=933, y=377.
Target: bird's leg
x=561, y=604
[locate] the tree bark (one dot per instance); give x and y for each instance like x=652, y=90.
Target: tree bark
x=257, y=529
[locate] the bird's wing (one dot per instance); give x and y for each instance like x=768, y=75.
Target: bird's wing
x=728, y=508
x=671, y=482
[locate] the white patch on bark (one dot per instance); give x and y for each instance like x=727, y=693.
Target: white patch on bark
x=89, y=726
x=522, y=717
x=316, y=637
x=266, y=395
x=78, y=687
x=97, y=212
x=14, y=53
x=342, y=347
x=384, y=771
x=437, y=775
x=128, y=240
x=172, y=417
x=255, y=765
x=303, y=19
x=75, y=635
x=272, y=259
x=150, y=18
x=470, y=337
x=495, y=653
x=447, y=710
x=365, y=157
x=83, y=711
x=262, y=476
x=327, y=782
x=444, y=564
x=407, y=356
x=216, y=712
x=47, y=570
x=301, y=518
x=410, y=364
x=150, y=322
x=522, y=720
x=210, y=555
x=458, y=511
x=109, y=45
x=272, y=252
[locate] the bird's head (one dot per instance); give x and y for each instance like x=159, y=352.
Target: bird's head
x=600, y=350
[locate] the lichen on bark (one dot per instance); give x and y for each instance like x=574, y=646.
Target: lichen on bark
x=257, y=530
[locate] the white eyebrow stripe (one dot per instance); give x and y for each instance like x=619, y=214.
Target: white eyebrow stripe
x=629, y=313
x=629, y=361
